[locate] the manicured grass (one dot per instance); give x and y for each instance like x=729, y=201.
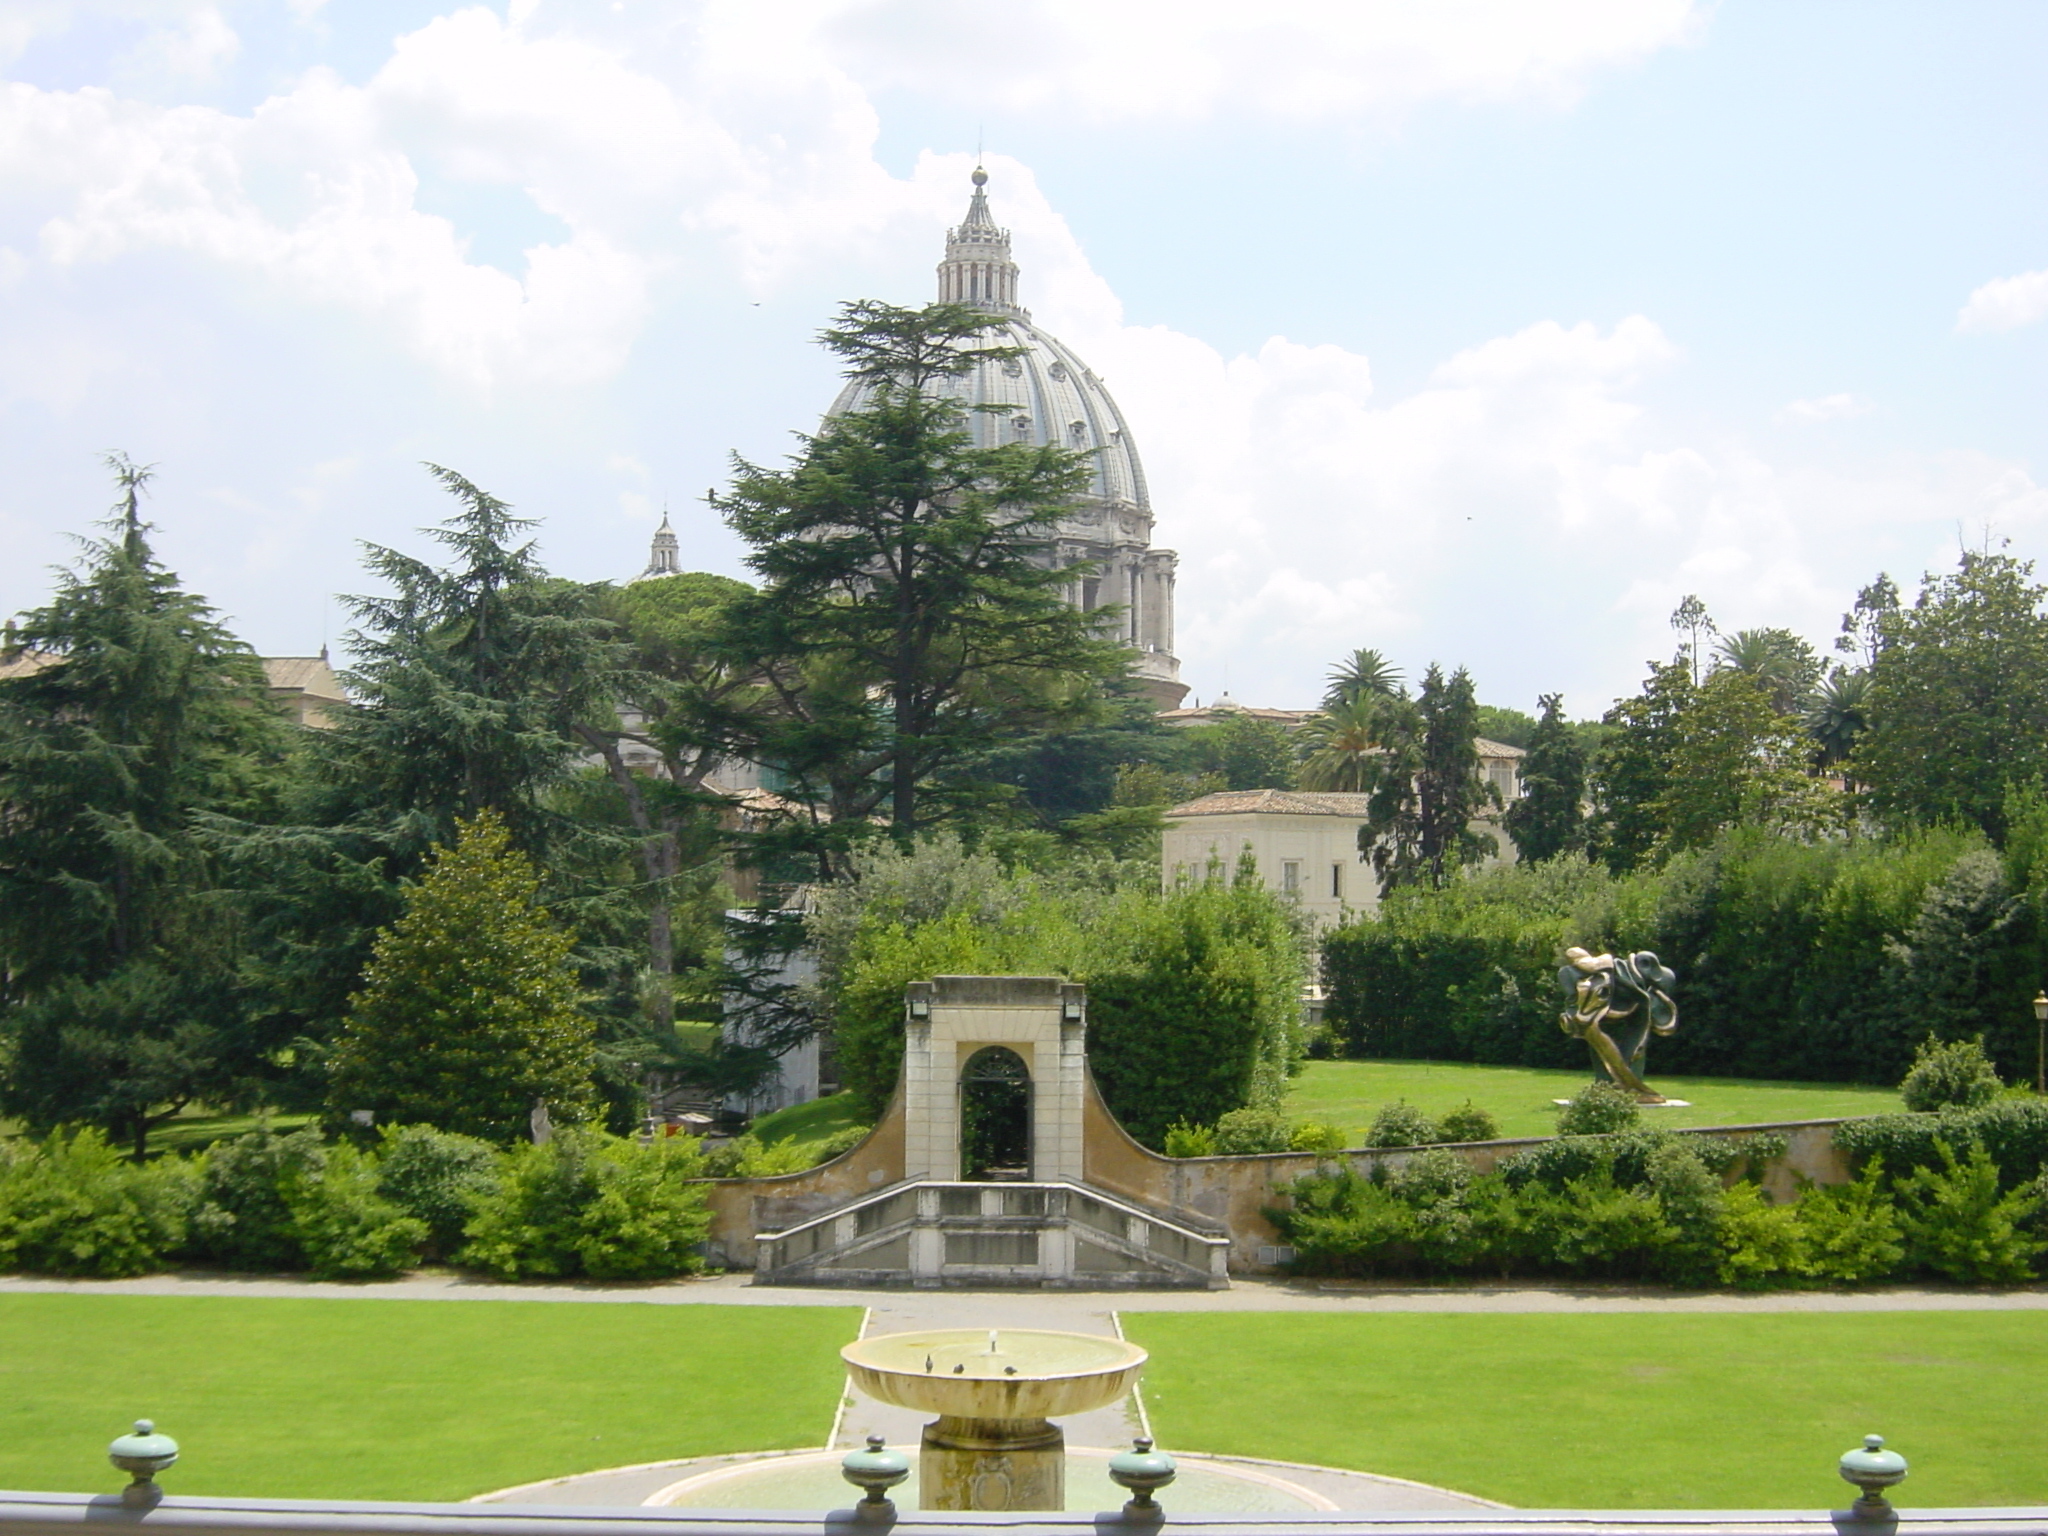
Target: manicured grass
x=199, y=1129
x=1731, y=1411
x=375, y=1399
x=809, y=1123
x=1349, y=1093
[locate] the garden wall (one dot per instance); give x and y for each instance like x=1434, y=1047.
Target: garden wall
x=1229, y=1194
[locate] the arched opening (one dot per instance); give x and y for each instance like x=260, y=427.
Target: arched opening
x=995, y=1115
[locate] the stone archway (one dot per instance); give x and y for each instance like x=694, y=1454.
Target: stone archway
x=995, y=1116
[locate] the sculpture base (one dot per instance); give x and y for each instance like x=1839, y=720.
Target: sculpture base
x=992, y=1464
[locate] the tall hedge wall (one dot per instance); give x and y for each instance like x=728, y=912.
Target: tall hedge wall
x=1821, y=962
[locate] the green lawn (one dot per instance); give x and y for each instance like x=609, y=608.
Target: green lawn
x=1732, y=1411
x=375, y=1399
x=808, y=1124
x=1349, y=1093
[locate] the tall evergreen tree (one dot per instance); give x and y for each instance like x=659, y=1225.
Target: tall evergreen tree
x=471, y=681
x=1633, y=770
x=129, y=712
x=1549, y=820
x=468, y=1016
x=911, y=612
x=1427, y=788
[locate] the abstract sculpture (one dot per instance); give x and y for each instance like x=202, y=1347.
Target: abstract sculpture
x=1631, y=994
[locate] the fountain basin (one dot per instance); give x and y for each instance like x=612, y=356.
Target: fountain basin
x=1029, y=1374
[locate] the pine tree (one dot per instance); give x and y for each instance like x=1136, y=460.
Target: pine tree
x=1426, y=788
x=131, y=712
x=911, y=612
x=1547, y=820
x=468, y=1015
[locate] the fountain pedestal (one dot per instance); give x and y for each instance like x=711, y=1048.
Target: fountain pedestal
x=991, y=1447
x=992, y=1464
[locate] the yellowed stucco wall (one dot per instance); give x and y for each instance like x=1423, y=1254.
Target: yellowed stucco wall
x=1224, y=1194
x=1318, y=845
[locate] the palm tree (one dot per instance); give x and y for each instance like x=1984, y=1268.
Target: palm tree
x=1343, y=745
x=1364, y=673
x=1837, y=713
x=1784, y=665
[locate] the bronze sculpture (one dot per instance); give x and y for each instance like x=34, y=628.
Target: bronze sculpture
x=1630, y=991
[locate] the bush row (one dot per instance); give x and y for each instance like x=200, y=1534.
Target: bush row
x=1653, y=1206
x=584, y=1204
x=1818, y=962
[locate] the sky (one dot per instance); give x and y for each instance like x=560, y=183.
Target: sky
x=1479, y=332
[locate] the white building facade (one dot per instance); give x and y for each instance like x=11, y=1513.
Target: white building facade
x=1305, y=843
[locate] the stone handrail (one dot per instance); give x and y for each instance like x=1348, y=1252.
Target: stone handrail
x=64, y=1514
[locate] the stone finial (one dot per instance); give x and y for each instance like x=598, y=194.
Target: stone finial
x=142, y=1455
x=876, y=1470
x=1873, y=1469
x=1144, y=1472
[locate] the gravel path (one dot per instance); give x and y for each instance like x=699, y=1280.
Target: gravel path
x=1085, y=1311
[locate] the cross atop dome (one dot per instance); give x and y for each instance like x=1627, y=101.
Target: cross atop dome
x=978, y=269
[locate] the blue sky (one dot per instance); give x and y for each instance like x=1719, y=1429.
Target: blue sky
x=1479, y=332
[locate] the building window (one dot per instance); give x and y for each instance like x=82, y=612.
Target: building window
x=1022, y=424
x=1290, y=875
x=1079, y=429
x=1336, y=882
x=1057, y=371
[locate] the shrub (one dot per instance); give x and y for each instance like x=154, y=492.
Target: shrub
x=436, y=1177
x=1245, y=1132
x=1315, y=1136
x=1341, y=1223
x=1401, y=1124
x=1690, y=1199
x=1957, y=1224
x=1852, y=1231
x=75, y=1206
x=839, y=1143
x=1598, y=1109
x=748, y=1157
x=2013, y=1131
x=590, y=1204
x=1468, y=1122
x=1760, y=1243
x=347, y=1229
x=243, y=1219
x=1186, y=1140
x=1594, y=1227
x=1949, y=1073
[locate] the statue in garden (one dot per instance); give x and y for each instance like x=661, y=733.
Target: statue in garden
x=1629, y=995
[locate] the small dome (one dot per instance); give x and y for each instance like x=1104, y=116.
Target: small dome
x=1045, y=395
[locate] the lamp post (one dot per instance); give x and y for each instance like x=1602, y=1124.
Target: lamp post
x=2041, y=1041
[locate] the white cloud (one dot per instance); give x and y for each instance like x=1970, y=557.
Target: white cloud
x=1181, y=59
x=192, y=48
x=2006, y=303
x=1825, y=408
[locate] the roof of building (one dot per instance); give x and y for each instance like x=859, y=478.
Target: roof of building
x=24, y=663
x=1486, y=748
x=302, y=674
x=1209, y=714
x=1285, y=802
x=1044, y=395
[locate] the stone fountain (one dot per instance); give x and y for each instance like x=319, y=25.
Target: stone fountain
x=992, y=1446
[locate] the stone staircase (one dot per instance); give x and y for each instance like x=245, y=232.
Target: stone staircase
x=931, y=1233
